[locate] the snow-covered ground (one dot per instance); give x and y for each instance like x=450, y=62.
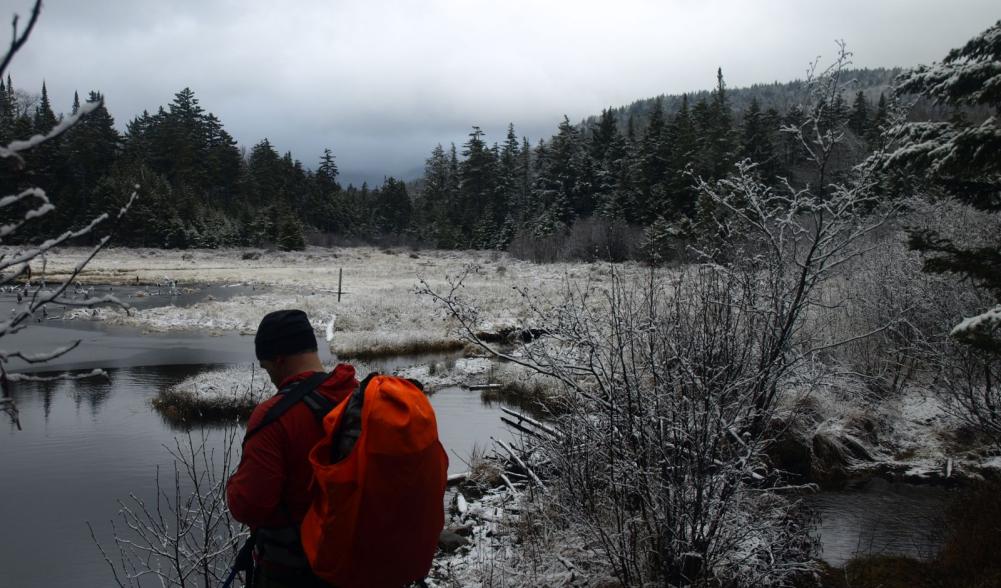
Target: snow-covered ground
x=911, y=435
x=379, y=311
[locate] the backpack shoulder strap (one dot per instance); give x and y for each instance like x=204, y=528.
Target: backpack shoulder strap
x=349, y=429
x=290, y=396
x=318, y=403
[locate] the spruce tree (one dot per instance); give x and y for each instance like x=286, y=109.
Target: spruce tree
x=478, y=181
x=651, y=166
x=91, y=149
x=756, y=141
x=433, y=213
x=521, y=207
x=394, y=207
x=858, y=120
x=564, y=186
x=874, y=135
x=326, y=172
x=46, y=158
x=721, y=143
x=960, y=160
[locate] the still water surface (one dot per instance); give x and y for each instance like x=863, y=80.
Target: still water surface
x=85, y=444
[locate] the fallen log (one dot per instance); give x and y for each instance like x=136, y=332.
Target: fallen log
x=524, y=429
x=551, y=431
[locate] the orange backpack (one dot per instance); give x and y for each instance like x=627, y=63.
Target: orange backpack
x=378, y=488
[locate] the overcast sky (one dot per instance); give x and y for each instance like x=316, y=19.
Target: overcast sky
x=381, y=82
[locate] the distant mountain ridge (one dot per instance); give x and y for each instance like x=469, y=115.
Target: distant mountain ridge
x=778, y=95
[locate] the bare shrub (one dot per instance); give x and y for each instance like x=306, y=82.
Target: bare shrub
x=908, y=312
x=669, y=384
x=184, y=536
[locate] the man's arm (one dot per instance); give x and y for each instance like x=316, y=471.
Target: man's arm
x=254, y=491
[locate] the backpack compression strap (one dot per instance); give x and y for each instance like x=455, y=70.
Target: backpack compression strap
x=290, y=397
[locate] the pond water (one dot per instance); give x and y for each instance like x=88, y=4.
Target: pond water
x=876, y=516
x=140, y=296
x=86, y=444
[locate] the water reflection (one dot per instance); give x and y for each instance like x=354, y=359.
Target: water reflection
x=880, y=517
x=87, y=443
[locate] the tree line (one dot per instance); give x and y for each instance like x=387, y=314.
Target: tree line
x=197, y=187
x=628, y=173
x=605, y=173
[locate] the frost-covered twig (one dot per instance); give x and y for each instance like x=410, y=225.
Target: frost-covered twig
x=183, y=537
x=20, y=262
x=18, y=40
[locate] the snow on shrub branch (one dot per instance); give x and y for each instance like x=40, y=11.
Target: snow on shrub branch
x=16, y=270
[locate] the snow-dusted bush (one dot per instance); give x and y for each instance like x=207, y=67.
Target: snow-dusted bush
x=893, y=317
x=670, y=383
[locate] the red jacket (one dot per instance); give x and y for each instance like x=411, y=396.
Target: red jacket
x=272, y=482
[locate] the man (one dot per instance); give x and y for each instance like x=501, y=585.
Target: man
x=270, y=490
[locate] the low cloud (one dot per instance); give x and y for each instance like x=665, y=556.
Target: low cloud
x=381, y=82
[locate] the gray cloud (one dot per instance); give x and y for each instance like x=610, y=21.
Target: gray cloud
x=382, y=81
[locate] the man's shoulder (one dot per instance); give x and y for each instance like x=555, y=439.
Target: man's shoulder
x=260, y=410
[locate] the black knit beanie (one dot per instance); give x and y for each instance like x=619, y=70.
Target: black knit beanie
x=284, y=332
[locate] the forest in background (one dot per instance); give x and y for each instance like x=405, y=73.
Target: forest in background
x=615, y=186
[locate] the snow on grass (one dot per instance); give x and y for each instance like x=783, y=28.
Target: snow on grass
x=379, y=312
x=510, y=545
x=233, y=391
x=463, y=372
x=228, y=393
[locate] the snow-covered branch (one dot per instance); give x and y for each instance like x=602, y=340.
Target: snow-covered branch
x=38, y=204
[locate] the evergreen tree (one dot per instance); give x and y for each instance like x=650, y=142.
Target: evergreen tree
x=264, y=169
x=45, y=160
x=756, y=141
x=222, y=163
x=394, y=207
x=858, y=120
x=651, y=167
x=477, y=182
x=91, y=149
x=433, y=211
x=290, y=233
x=564, y=185
x=608, y=152
x=874, y=136
x=520, y=209
x=326, y=172
x=960, y=160
x=791, y=148
x=719, y=142
x=604, y=134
